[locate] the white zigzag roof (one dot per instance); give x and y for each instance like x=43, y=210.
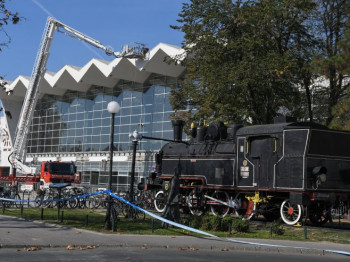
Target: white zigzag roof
x=100, y=72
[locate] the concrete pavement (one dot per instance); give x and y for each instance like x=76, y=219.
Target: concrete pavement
x=19, y=233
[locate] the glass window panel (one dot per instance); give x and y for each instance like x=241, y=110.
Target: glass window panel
x=96, y=131
x=136, y=110
x=72, y=117
x=79, y=124
x=103, y=180
x=136, y=119
x=124, y=129
x=114, y=177
x=99, y=98
x=71, y=133
x=70, y=148
x=89, y=105
x=105, y=139
x=106, y=121
x=80, y=116
x=124, y=120
x=86, y=147
x=159, y=90
x=96, y=122
x=122, y=179
x=167, y=106
x=98, y=106
x=127, y=94
x=148, y=109
x=167, y=126
x=105, y=130
x=95, y=139
x=55, y=148
x=125, y=111
x=63, y=148
x=137, y=98
x=168, y=135
x=95, y=147
x=157, y=117
x=148, y=99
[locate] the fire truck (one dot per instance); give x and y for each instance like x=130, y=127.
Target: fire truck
x=50, y=171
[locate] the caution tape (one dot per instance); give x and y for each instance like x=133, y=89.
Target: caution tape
x=53, y=199
x=211, y=235
x=177, y=224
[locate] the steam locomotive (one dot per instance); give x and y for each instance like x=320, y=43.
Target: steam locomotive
x=290, y=170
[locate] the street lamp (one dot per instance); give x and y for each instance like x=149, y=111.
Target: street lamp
x=135, y=139
x=113, y=108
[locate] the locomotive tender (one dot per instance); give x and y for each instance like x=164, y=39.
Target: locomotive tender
x=287, y=169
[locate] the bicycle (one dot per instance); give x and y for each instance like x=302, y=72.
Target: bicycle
x=11, y=193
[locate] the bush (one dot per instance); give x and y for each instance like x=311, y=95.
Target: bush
x=277, y=228
x=226, y=223
x=240, y=225
x=206, y=222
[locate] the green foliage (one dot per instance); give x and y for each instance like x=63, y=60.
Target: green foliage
x=248, y=60
x=240, y=225
x=242, y=59
x=277, y=228
x=226, y=223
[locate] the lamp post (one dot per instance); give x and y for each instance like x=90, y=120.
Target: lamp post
x=135, y=139
x=113, y=108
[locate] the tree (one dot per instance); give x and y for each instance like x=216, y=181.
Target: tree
x=242, y=59
x=331, y=62
x=6, y=16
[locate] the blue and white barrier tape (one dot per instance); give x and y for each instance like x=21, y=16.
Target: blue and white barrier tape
x=53, y=200
x=180, y=225
x=211, y=235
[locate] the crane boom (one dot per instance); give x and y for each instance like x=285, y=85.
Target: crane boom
x=17, y=156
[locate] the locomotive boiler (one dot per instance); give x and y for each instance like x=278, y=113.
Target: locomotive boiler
x=289, y=170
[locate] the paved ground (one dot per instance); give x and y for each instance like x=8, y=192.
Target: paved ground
x=19, y=233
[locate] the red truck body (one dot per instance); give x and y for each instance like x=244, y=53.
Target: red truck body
x=50, y=172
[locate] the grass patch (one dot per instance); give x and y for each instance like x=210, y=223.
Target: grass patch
x=94, y=220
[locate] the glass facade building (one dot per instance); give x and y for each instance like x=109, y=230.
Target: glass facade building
x=76, y=126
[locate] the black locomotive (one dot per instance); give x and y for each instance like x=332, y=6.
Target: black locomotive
x=287, y=169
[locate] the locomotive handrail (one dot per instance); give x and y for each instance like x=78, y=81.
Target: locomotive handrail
x=164, y=139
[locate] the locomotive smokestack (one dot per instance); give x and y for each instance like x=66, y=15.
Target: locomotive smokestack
x=177, y=127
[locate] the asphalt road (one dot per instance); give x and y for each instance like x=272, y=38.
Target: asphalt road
x=23, y=240
x=102, y=254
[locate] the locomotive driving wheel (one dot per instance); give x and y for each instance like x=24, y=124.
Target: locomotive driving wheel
x=318, y=214
x=219, y=208
x=159, y=201
x=290, y=213
x=195, y=203
x=245, y=209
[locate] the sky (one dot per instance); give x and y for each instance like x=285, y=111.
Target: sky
x=112, y=22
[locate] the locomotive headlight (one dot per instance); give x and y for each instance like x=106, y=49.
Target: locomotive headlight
x=320, y=173
x=322, y=177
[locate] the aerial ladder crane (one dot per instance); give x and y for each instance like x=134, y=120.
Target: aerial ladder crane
x=17, y=156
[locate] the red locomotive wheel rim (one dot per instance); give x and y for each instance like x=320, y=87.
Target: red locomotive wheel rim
x=290, y=210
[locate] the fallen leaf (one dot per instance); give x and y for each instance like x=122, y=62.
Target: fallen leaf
x=128, y=258
x=78, y=232
x=70, y=247
x=182, y=248
x=144, y=247
x=90, y=247
x=33, y=248
x=224, y=249
x=173, y=236
x=81, y=248
x=193, y=248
